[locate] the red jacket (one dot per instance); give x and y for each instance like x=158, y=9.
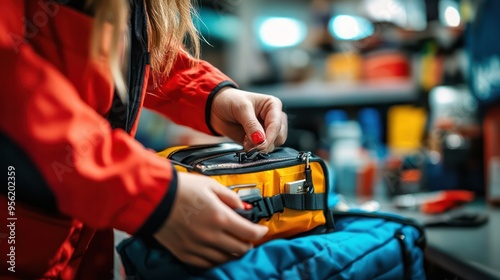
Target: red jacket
x=54, y=102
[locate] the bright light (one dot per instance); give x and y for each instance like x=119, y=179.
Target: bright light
x=449, y=14
x=444, y=95
x=409, y=14
x=212, y=25
x=452, y=16
x=345, y=27
x=454, y=141
x=282, y=32
x=385, y=10
x=350, y=27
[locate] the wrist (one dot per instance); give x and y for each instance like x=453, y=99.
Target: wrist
x=209, y=109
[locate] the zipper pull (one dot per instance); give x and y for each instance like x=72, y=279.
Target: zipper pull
x=308, y=184
x=252, y=154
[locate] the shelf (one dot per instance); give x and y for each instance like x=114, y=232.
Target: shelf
x=321, y=94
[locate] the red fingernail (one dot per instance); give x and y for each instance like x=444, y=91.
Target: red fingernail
x=258, y=138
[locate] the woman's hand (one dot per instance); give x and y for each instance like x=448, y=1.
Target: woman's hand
x=203, y=229
x=249, y=118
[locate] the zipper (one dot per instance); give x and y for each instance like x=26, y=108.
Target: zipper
x=233, y=148
x=301, y=156
x=188, y=149
x=405, y=254
x=198, y=161
x=239, y=164
x=231, y=165
x=308, y=184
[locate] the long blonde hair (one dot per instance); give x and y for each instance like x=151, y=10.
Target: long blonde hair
x=169, y=25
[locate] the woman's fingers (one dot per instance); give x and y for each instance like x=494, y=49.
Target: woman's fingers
x=243, y=229
x=283, y=132
x=203, y=229
x=255, y=120
x=270, y=110
x=227, y=196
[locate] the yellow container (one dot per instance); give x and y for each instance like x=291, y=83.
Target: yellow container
x=406, y=126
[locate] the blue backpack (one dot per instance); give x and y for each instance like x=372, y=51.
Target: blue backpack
x=363, y=246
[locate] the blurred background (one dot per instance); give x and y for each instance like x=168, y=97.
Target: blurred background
x=394, y=94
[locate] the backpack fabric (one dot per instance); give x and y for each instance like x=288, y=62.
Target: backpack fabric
x=363, y=246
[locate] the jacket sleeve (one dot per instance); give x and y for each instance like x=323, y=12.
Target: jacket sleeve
x=186, y=95
x=100, y=176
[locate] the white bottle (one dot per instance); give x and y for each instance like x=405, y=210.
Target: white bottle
x=345, y=155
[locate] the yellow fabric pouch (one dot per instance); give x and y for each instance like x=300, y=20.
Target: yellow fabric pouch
x=287, y=189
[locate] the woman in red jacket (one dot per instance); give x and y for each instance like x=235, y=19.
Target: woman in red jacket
x=69, y=114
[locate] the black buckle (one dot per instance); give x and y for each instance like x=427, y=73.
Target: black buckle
x=261, y=208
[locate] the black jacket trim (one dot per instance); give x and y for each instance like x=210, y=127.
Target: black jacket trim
x=30, y=185
x=210, y=100
x=162, y=211
x=124, y=115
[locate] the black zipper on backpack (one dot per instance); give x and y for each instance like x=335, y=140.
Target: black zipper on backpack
x=406, y=255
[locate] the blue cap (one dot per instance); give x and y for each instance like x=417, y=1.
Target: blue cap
x=335, y=116
x=369, y=120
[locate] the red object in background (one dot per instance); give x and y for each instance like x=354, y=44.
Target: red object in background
x=491, y=127
x=386, y=65
x=366, y=179
x=411, y=176
x=445, y=200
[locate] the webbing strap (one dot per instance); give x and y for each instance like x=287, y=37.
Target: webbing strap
x=315, y=201
x=266, y=207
